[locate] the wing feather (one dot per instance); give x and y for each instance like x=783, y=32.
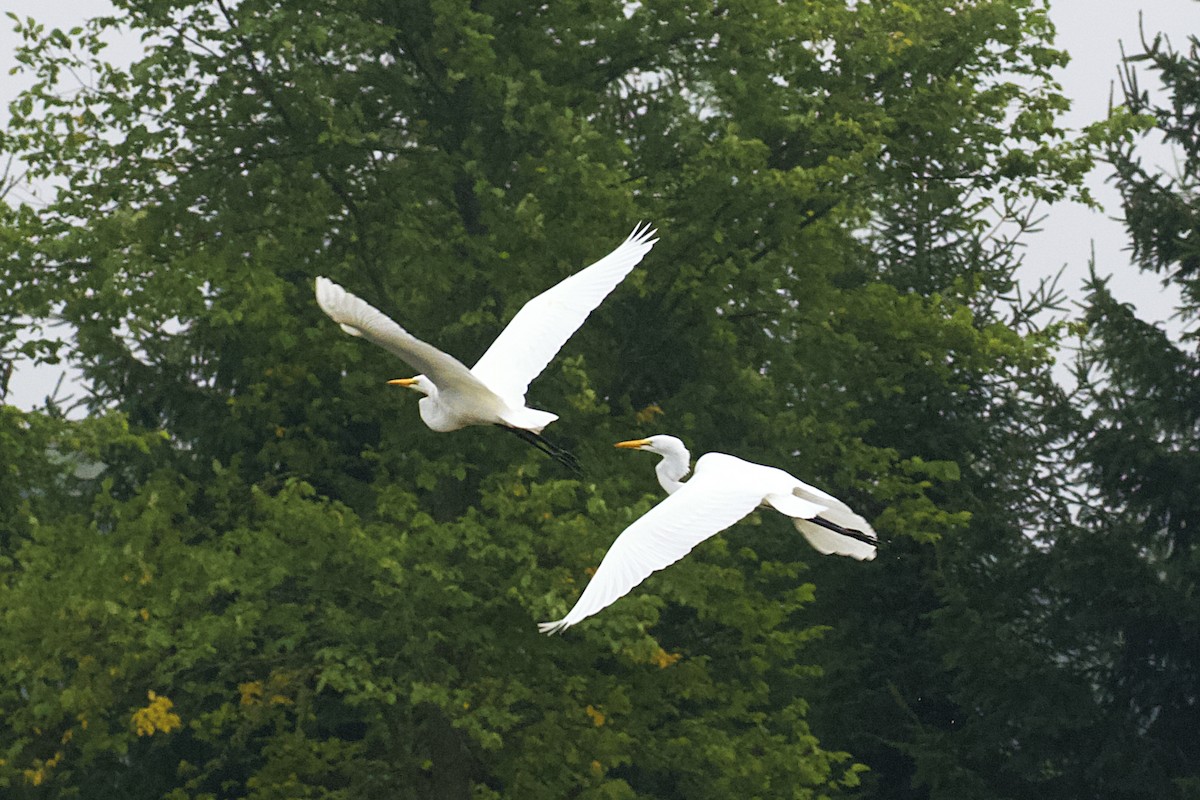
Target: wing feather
x=359, y=318
x=710, y=502
x=543, y=325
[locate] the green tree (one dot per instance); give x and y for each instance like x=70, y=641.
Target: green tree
x=963, y=397
x=1062, y=625
x=1138, y=451
x=297, y=590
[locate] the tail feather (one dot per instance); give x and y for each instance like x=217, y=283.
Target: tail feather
x=531, y=419
x=551, y=628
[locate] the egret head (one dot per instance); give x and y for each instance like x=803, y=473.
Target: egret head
x=655, y=444
x=675, y=457
x=418, y=384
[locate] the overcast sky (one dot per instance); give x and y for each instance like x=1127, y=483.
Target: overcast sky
x=1090, y=31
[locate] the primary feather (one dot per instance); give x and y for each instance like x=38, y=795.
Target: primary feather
x=543, y=325
x=357, y=317
x=706, y=505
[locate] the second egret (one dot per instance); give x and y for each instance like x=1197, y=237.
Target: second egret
x=723, y=490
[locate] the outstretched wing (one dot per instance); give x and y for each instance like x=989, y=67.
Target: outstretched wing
x=543, y=325
x=722, y=491
x=359, y=318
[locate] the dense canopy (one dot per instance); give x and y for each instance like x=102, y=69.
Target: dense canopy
x=249, y=571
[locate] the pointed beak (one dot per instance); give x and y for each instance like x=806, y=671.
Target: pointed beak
x=633, y=444
x=402, y=382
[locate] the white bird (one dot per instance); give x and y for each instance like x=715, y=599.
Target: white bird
x=493, y=391
x=723, y=490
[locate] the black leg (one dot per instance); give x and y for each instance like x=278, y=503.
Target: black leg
x=559, y=454
x=853, y=534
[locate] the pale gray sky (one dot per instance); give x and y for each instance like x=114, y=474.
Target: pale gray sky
x=1088, y=30
x=1092, y=32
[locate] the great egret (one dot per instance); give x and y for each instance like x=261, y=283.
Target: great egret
x=493, y=391
x=723, y=490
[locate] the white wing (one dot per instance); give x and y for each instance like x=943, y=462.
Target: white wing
x=722, y=491
x=543, y=325
x=359, y=318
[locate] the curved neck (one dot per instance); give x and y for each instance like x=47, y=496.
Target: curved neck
x=436, y=417
x=672, y=469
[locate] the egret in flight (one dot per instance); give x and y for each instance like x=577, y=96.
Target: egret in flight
x=493, y=391
x=723, y=490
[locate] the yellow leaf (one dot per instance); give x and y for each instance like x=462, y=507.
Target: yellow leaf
x=156, y=716
x=596, y=715
x=664, y=659
x=648, y=413
x=251, y=692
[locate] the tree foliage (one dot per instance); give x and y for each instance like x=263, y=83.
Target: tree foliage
x=1138, y=449
x=281, y=585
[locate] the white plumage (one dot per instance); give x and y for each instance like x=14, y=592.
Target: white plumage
x=493, y=392
x=723, y=490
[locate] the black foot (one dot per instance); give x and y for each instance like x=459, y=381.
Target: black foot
x=559, y=454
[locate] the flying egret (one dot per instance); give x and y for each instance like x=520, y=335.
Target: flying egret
x=723, y=490
x=493, y=391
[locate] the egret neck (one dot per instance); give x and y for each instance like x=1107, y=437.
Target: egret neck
x=673, y=467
